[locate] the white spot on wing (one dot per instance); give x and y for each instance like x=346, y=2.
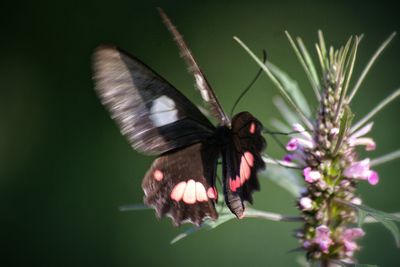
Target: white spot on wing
x=178, y=191
x=201, y=194
x=163, y=111
x=201, y=84
x=189, y=197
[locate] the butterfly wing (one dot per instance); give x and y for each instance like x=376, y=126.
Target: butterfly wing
x=202, y=84
x=241, y=162
x=181, y=184
x=150, y=112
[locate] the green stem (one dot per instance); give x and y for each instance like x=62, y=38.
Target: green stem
x=386, y=158
x=249, y=213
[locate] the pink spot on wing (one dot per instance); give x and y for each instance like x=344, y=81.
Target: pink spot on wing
x=212, y=193
x=249, y=158
x=252, y=129
x=245, y=169
x=201, y=194
x=177, y=192
x=189, y=196
x=238, y=182
x=158, y=175
x=232, y=185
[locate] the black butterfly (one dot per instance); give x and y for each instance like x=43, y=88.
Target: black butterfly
x=158, y=120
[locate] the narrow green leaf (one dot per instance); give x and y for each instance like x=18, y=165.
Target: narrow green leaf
x=392, y=227
x=322, y=47
x=186, y=233
x=291, y=87
x=224, y=217
x=386, y=219
x=280, y=125
x=134, y=207
x=288, y=179
x=310, y=63
x=288, y=114
x=348, y=71
x=346, y=264
x=304, y=65
x=276, y=217
x=374, y=212
x=375, y=110
x=321, y=60
x=282, y=91
x=386, y=158
x=369, y=65
x=362, y=215
x=345, y=123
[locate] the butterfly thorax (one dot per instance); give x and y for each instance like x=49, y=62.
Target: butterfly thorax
x=223, y=136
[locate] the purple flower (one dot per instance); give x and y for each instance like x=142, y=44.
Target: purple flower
x=299, y=128
x=364, y=141
x=288, y=158
x=355, y=139
x=322, y=238
x=306, y=244
x=306, y=203
x=373, y=178
x=361, y=170
x=358, y=170
x=363, y=131
x=349, y=235
x=292, y=144
x=296, y=142
x=311, y=176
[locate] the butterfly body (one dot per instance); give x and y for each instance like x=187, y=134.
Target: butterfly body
x=158, y=120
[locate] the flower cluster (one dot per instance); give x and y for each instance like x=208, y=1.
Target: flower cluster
x=330, y=176
x=331, y=167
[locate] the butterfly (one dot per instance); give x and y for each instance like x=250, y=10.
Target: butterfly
x=159, y=120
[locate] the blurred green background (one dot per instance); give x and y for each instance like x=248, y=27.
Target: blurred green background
x=65, y=169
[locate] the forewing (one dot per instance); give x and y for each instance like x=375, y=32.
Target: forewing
x=202, y=84
x=181, y=184
x=150, y=112
x=241, y=162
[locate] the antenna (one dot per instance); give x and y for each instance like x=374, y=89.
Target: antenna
x=250, y=85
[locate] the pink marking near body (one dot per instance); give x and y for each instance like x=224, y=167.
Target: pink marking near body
x=158, y=175
x=189, y=197
x=201, y=194
x=238, y=182
x=177, y=192
x=235, y=184
x=245, y=170
x=249, y=158
x=212, y=193
x=252, y=129
x=232, y=185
